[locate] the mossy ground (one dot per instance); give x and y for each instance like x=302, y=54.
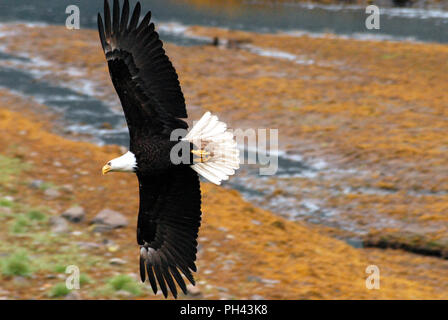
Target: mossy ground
x=238, y=258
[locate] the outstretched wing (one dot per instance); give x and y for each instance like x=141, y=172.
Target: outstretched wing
x=142, y=74
x=168, y=225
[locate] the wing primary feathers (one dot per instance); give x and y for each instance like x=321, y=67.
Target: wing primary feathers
x=107, y=18
x=124, y=16
x=142, y=36
x=142, y=269
x=151, y=278
x=178, y=257
x=151, y=27
x=146, y=34
x=149, y=39
x=167, y=275
x=183, y=263
x=144, y=22
x=135, y=17
x=189, y=256
x=186, y=262
x=170, y=281
x=179, y=279
x=101, y=32
x=192, y=266
x=116, y=17
x=159, y=276
x=187, y=274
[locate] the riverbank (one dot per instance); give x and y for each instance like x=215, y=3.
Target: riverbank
x=288, y=260
x=371, y=114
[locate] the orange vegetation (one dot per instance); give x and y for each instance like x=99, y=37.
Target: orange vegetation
x=244, y=250
x=376, y=107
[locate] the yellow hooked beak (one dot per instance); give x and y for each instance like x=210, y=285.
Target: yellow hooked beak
x=106, y=169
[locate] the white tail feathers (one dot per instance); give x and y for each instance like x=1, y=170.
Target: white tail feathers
x=211, y=135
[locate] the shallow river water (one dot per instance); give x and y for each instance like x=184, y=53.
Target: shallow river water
x=83, y=113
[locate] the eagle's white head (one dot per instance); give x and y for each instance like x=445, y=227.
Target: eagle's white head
x=125, y=163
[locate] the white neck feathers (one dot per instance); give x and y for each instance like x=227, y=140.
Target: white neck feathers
x=125, y=163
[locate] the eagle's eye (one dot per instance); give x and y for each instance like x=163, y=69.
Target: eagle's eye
x=109, y=163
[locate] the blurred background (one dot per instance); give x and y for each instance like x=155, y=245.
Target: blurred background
x=362, y=173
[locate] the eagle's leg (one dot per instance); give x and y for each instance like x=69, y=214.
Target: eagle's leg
x=202, y=155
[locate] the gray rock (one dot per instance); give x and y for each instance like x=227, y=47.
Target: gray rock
x=269, y=282
x=257, y=297
x=88, y=245
x=108, y=242
x=58, y=224
x=74, y=214
x=52, y=193
x=67, y=188
x=124, y=294
x=3, y=292
x=20, y=281
x=36, y=184
x=110, y=219
x=254, y=279
x=117, y=261
x=73, y=295
x=228, y=265
x=5, y=210
x=100, y=228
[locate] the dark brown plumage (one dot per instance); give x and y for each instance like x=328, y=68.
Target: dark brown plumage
x=170, y=198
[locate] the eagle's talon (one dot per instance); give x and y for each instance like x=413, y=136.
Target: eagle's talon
x=201, y=160
x=203, y=156
x=200, y=153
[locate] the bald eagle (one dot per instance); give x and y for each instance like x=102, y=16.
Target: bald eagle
x=170, y=197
